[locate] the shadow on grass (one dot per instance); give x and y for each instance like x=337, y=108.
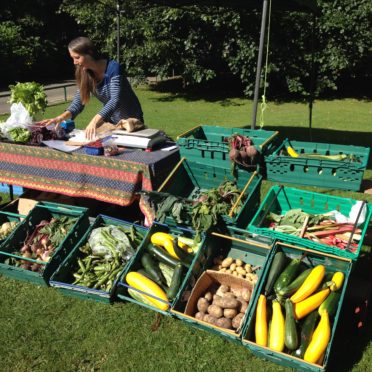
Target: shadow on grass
x=354, y=330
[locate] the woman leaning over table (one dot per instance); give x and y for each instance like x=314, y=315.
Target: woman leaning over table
x=101, y=77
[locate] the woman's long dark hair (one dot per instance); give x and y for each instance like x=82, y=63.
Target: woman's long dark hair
x=85, y=79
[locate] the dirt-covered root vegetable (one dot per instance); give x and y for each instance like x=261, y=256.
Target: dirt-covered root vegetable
x=215, y=311
x=237, y=321
x=199, y=315
x=227, y=262
x=209, y=319
x=230, y=313
x=224, y=323
x=222, y=289
x=208, y=296
x=246, y=294
x=226, y=303
x=202, y=305
x=243, y=305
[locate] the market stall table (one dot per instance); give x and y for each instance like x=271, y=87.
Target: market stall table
x=113, y=179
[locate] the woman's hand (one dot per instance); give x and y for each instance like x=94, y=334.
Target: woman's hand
x=57, y=120
x=90, y=130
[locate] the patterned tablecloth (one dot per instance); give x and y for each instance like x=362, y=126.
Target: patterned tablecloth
x=113, y=179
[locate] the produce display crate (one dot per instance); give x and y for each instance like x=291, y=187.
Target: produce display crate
x=8, y=217
x=209, y=144
x=338, y=174
x=312, y=258
x=63, y=278
x=280, y=199
x=189, y=178
x=26, y=227
x=235, y=246
x=122, y=287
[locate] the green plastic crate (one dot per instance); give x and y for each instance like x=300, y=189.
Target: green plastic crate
x=209, y=144
x=37, y=214
x=236, y=246
x=62, y=278
x=8, y=217
x=188, y=178
x=338, y=174
x=122, y=287
x=281, y=199
x=312, y=258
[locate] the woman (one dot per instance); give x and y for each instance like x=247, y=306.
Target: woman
x=101, y=77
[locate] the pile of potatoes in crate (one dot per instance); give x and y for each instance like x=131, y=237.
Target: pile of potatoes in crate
x=223, y=306
x=235, y=267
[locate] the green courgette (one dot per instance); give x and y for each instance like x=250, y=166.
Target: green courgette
x=295, y=284
x=307, y=330
x=287, y=275
x=176, y=282
x=185, y=258
x=330, y=303
x=290, y=331
x=152, y=268
x=161, y=255
x=276, y=268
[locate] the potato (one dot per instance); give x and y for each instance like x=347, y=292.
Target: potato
x=237, y=292
x=223, y=270
x=215, y=311
x=208, y=296
x=224, y=323
x=228, y=271
x=209, y=319
x=232, y=267
x=248, y=268
x=228, y=294
x=230, y=313
x=222, y=289
x=246, y=294
x=252, y=278
x=235, y=273
x=227, y=262
x=240, y=270
x=202, y=304
x=199, y=315
x=226, y=302
x=239, y=262
x=237, y=321
x=243, y=305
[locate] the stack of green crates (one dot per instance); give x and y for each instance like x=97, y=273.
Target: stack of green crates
x=16, y=240
x=189, y=178
x=322, y=172
x=63, y=278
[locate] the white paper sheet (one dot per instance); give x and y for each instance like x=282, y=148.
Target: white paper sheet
x=61, y=145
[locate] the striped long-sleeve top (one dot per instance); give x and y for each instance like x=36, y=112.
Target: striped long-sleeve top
x=116, y=94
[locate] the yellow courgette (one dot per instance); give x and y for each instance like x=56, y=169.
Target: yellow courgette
x=311, y=303
x=320, y=340
x=277, y=330
x=337, y=281
x=164, y=240
x=310, y=285
x=261, y=322
x=146, y=285
x=291, y=152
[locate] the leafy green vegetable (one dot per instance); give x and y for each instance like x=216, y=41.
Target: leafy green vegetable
x=21, y=135
x=31, y=95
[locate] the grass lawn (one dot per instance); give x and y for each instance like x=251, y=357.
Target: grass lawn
x=41, y=330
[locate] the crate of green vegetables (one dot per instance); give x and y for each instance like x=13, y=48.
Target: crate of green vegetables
x=219, y=293
x=318, y=164
x=327, y=223
x=205, y=197
x=92, y=268
x=8, y=222
x=222, y=146
x=41, y=241
x=164, y=262
x=295, y=315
